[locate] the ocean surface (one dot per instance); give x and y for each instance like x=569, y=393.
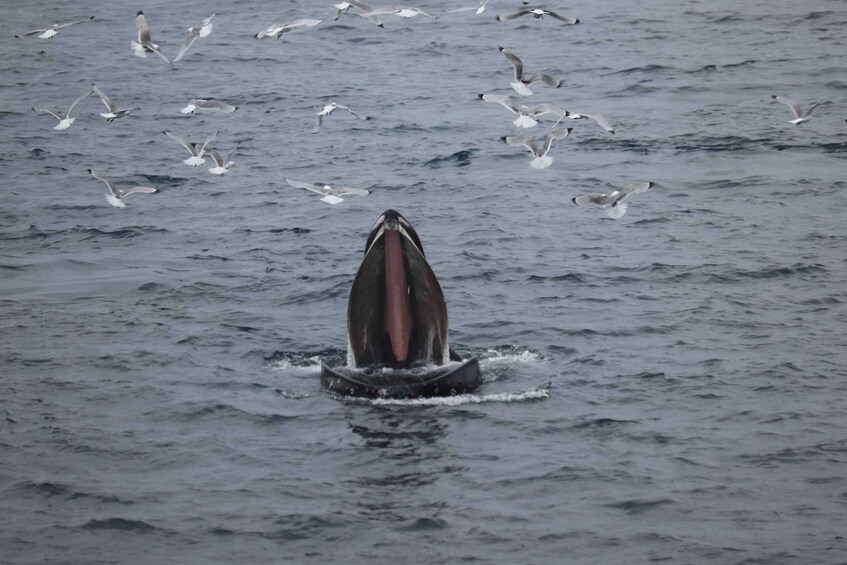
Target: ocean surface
x=670, y=386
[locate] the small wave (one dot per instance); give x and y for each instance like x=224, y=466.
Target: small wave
x=652, y=68
x=462, y=399
x=639, y=506
x=118, y=524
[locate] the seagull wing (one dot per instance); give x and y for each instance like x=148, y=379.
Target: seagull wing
x=143, y=28
x=561, y=18
x=601, y=121
x=792, y=105
x=100, y=176
x=155, y=49
x=33, y=32
x=307, y=185
x=209, y=140
x=189, y=40
x=106, y=100
x=504, y=101
x=137, y=190
x=516, y=62
x=346, y=191
x=554, y=134
x=379, y=12
x=808, y=112
x=317, y=127
x=546, y=79
x=77, y=101
x=637, y=188
x=181, y=141
x=592, y=198
x=507, y=17
x=74, y=23
x=360, y=116
x=48, y=111
x=213, y=153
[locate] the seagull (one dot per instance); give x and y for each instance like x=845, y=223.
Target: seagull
x=197, y=150
x=276, y=30
x=526, y=114
x=202, y=29
x=116, y=195
x=50, y=32
x=201, y=105
x=144, y=43
x=332, y=195
x=223, y=165
x=541, y=161
x=65, y=119
x=601, y=121
x=114, y=111
x=342, y=8
x=538, y=13
x=800, y=116
x=402, y=12
x=329, y=109
x=479, y=8
x=614, y=202
x=522, y=82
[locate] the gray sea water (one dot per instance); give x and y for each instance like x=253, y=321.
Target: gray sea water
x=670, y=386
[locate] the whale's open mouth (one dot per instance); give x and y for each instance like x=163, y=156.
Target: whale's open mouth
x=396, y=315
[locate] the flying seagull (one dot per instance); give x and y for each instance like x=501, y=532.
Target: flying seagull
x=197, y=150
x=522, y=82
x=116, y=195
x=222, y=165
x=614, y=202
x=144, y=44
x=537, y=13
x=329, y=109
x=114, y=111
x=50, y=32
x=542, y=160
x=202, y=29
x=331, y=195
x=276, y=30
x=65, y=119
x=201, y=105
x=342, y=8
x=800, y=116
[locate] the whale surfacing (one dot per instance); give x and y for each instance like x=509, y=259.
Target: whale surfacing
x=396, y=314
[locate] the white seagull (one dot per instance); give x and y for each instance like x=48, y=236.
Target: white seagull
x=202, y=29
x=537, y=13
x=478, y=9
x=144, y=44
x=276, y=30
x=331, y=195
x=404, y=12
x=342, y=7
x=800, y=116
x=542, y=160
x=614, y=202
x=222, y=165
x=197, y=150
x=526, y=114
x=116, y=195
x=522, y=82
x=50, y=32
x=201, y=105
x=114, y=111
x=329, y=109
x=65, y=119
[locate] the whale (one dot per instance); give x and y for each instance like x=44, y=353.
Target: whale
x=397, y=324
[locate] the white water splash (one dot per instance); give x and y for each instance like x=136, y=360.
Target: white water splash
x=308, y=365
x=495, y=357
x=461, y=399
